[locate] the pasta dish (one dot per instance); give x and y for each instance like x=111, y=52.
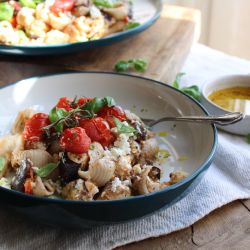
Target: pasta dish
x=84, y=149
x=50, y=22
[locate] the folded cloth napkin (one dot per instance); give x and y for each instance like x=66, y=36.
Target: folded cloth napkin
x=227, y=179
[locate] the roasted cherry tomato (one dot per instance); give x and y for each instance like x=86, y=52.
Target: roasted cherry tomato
x=75, y=140
x=33, y=130
x=108, y=113
x=63, y=5
x=64, y=103
x=98, y=130
x=82, y=101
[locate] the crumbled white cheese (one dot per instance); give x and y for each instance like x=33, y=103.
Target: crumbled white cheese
x=127, y=183
x=5, y=183
x=115, y=184
x=121, y=146
x=79, y=184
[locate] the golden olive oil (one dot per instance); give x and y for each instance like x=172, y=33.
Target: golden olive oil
x=236, y=99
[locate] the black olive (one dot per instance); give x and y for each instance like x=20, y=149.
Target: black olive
x=142, y=132
x=22, y=174
x=155, y=173
x=68, y=170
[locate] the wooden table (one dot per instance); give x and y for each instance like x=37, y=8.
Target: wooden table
x=225, y=228
x=165, y=46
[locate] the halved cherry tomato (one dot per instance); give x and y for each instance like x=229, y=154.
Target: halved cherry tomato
x=33, y=130
x=98, y=130
x=75, y=140
x=64, y=103
x=63, y=5
x=108, y=113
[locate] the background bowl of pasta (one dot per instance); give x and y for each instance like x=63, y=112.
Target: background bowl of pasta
x=50, y=27
x=186, y=147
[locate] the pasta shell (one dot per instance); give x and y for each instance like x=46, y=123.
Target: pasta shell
x=11, y=143
x=41, y=189
x=146, y=182
x=21, y=119
x=115, y=190
x=38, y=157
x=123, y=167
x=96, y=153
x=119, y=13
x=150, y=149
x=100, y=172
x=80, y=190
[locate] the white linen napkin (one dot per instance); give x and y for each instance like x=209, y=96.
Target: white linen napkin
x=227, y=179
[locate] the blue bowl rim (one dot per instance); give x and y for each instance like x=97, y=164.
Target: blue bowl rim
x=94, y=43
x=199, y=170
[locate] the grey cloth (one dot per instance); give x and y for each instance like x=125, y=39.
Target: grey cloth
x=228, y=179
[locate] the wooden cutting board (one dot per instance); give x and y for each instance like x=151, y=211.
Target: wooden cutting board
x=164, y=46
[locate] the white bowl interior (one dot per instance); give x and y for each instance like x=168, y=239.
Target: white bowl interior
x=188, y=144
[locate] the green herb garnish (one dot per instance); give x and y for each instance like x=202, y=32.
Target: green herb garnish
x=248, y=138
x=57, y=114
x=46, y=170
x=133, y=64
x=60, y=117
x=28, y=3
x=192, y=91
x=132, y=25
x=2, y=163
x=109, y=101
x=105, y=3
x=122, y=128
x=177, y=81
x=6, y=12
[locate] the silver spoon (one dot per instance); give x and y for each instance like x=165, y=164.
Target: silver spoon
x=223, y=120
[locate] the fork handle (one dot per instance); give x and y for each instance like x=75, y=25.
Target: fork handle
x=223, y=120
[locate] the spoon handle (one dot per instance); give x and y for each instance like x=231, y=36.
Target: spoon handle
x=223, y=120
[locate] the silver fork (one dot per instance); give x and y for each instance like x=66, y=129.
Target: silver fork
x=223, y=120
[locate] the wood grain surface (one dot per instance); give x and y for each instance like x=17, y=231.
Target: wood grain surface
x=225, y=228
x=164, y=46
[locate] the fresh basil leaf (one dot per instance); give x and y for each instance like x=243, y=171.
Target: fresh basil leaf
x=28, y=3
x=57, y=114
x=132, y=25
x=176, y=83
x=46, y=170
x=135, y=64
x=122, y=128
x=94, y=106
x=248, y=138
x=109, y=101
x=122, y=66
x=6, y=12
x=105, y=3
x=140, y=65
x=193, y=91
x=2, y=163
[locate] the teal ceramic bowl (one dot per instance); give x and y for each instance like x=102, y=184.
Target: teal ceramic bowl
x=192, y=146
x=146, y=12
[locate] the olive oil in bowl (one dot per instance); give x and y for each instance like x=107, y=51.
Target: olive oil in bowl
x=235, y=99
